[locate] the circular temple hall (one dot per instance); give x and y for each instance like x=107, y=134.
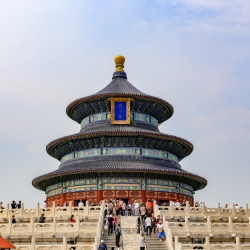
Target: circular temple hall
x=119, y=152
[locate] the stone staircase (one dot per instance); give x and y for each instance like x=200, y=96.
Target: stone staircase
x=110, y=239
x=154, y=242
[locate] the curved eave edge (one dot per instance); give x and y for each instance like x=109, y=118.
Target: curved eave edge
x=38, y=180
x=65, y=139
x=79, y=101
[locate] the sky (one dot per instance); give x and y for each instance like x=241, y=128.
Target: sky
x=194, y=54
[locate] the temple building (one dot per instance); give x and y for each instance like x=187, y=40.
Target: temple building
x=119, y=151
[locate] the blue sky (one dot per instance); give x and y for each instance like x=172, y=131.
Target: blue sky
x=194, y=54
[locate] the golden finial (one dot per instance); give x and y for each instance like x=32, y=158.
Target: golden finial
x=119, y=61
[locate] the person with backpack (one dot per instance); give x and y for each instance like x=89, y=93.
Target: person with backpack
x=102, y=246
x=117, y=234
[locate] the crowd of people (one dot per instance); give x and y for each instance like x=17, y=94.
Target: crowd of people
x=147, y=223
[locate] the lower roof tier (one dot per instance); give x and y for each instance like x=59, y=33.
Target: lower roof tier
x=126, y=166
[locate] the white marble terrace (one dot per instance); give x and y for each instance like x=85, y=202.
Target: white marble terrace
x=208, y=228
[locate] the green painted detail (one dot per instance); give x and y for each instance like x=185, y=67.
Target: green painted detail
x=106, y=116
x=119, y=184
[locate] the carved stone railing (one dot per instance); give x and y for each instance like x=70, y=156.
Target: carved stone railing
x=169, y=237
x=202, y=211
x=100, y=226
x=50, y=211
x=208, y=246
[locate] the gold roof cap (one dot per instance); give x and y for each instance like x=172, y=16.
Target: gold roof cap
x=119, y=61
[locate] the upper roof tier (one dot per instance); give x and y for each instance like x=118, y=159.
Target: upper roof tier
x=119, y=87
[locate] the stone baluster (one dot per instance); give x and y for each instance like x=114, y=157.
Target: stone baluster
x=96, y=246
x=54, y=224
x=238, y=244
x=209, y=225
x=10, y=224
x=70, y=210
x=53, y=208
x=187, y=208
x=187, y=225
x=163, y=219
x=204, y=209
x=219, y=209
x=87, y=208
x=176, y=242
x=7, y=210
x=171, y=207
x=234, y=211
x=230, y=223
x=33, y=243
x=77, y=224
x=64, y=246
x=21, y=210
x=247, y=210
x=37, y=210
x=31, y=224
x=208, y=245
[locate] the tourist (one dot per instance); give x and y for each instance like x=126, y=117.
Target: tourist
x=197, y=204
x=158, y=219
x=111, y=206
x=161, y=233
x=1, y=207
x=177, y=203
x=13, y=219
x=136, y=206
x=117, y=234
x=148, y=224
x=72, y=219
x=149, y=206
x=118, y=247
x=13, y=205
x=115, y=220
x=164, y=203
x=64, y=206
x=42, y=218
x=129, y=208
x=19, y=205
x=153, y=224
x=106, y=218
x=142, y=242
x=110, y=224
x=80, y=205
x=102, y=246
x=123, y=208
x=58, y=207
x=106, y=210
x=143, y=211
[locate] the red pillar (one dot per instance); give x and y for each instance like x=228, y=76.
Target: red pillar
x=99, y=195
x=144, y=196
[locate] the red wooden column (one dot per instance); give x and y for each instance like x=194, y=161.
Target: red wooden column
x=144, y=196
x=99, y=195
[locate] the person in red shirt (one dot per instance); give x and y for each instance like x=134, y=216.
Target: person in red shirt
x=72, y=218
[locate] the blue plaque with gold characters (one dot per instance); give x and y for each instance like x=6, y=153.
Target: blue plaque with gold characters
x=120, y=110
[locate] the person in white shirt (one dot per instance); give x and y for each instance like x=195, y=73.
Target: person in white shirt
x=142, y=242
x=80, y=205
x=148, y=224
x=177, y=204
x=136, y=206
x=161, y=232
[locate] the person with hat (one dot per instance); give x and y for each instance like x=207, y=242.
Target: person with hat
x=102, y=246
